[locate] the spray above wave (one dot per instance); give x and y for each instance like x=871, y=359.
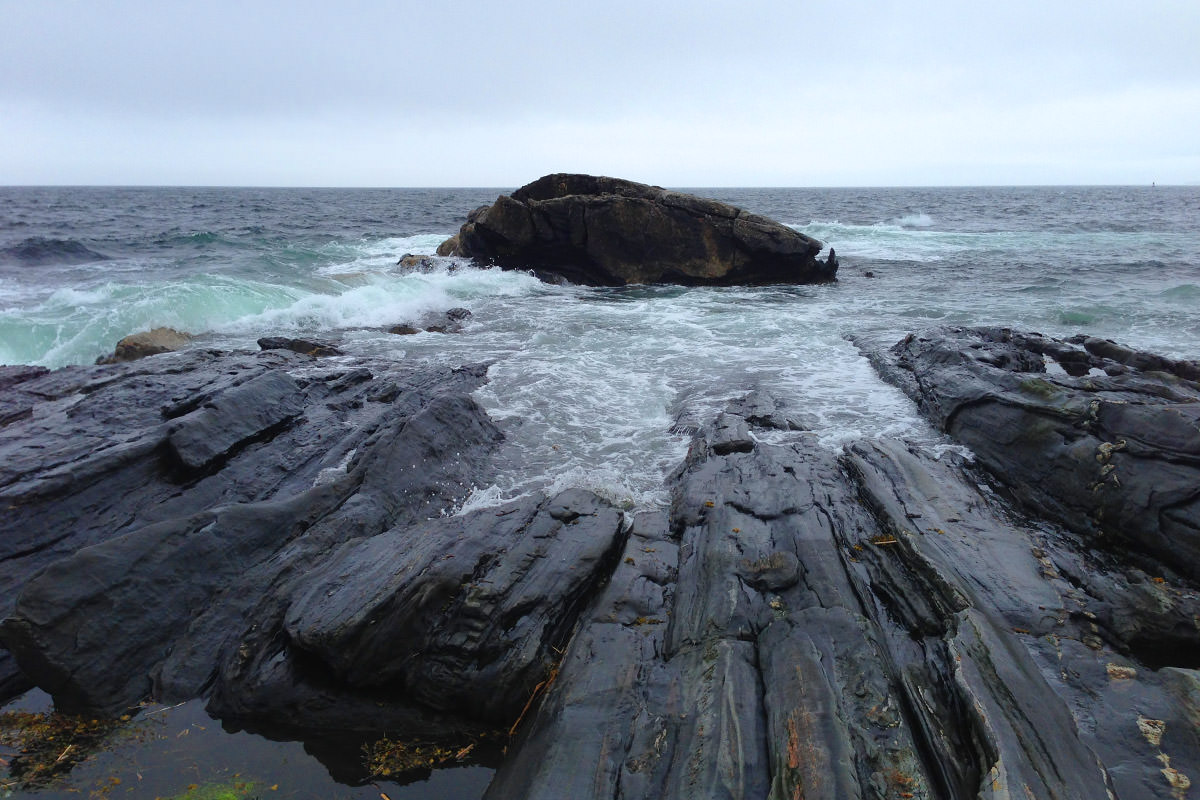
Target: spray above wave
x=73, y=326
x=374, y=299
x=915, y=220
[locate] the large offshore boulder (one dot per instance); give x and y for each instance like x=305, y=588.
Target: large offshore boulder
x=602, y=231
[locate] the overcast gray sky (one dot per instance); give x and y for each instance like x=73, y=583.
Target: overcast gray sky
x=464, y=93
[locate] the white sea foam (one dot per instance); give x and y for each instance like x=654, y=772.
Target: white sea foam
x=68, y=297
x=916, y=220
x=484, y=497
x=588, y=383
x=376, y=254
x=376, y=299
x=377, y=303
x=888, y=241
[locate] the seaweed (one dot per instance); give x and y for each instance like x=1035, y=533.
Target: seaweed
x=49, y=744
x=388, y=758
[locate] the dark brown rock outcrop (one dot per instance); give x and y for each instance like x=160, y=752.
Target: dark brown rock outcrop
x=609, y=232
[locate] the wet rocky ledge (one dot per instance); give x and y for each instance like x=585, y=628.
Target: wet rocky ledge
x=276, y=533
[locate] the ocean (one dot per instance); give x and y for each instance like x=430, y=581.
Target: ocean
x=590, y=382
x=596, y=387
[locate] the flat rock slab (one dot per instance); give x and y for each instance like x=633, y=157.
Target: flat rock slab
x=480, y=602
x=603, y=231
x=305, y=346
x=238, y=416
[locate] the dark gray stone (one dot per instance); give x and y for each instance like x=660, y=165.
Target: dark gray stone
x=875, y=625
x=1010, y=633
x=16, y=403
x=1113, y=456
x=450, y=321
x=83, y=627
x=303, y=346
x=240, y=415
x=731, y=434
x=729, y=656
x=10, y=376
x=89, y=479
x=610, y=232
x=765, y=410
x=480, y=602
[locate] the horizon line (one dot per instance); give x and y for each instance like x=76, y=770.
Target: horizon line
x=1152, y=184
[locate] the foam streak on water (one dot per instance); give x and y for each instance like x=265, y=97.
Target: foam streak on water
x=588, y=383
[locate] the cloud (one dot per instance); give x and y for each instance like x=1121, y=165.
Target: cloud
x=473, y=93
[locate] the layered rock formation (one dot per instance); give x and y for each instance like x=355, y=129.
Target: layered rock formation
x=608, y=232
x=276, y=533
x=1098, y=437
x=878, y=625
x=190, y=488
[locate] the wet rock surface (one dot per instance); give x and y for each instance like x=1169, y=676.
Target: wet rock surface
x=150, y=509
x=277, y=534
x=450, y=321
x=304, y=346
x=147, y=343
x=483, y=599
x=1101, y=438
x=603, y=231
x=875, y=624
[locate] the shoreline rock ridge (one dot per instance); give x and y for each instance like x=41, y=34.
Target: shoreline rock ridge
x=602, y=231
x=1096, y=436
x=874, y=624
x=277, y=534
